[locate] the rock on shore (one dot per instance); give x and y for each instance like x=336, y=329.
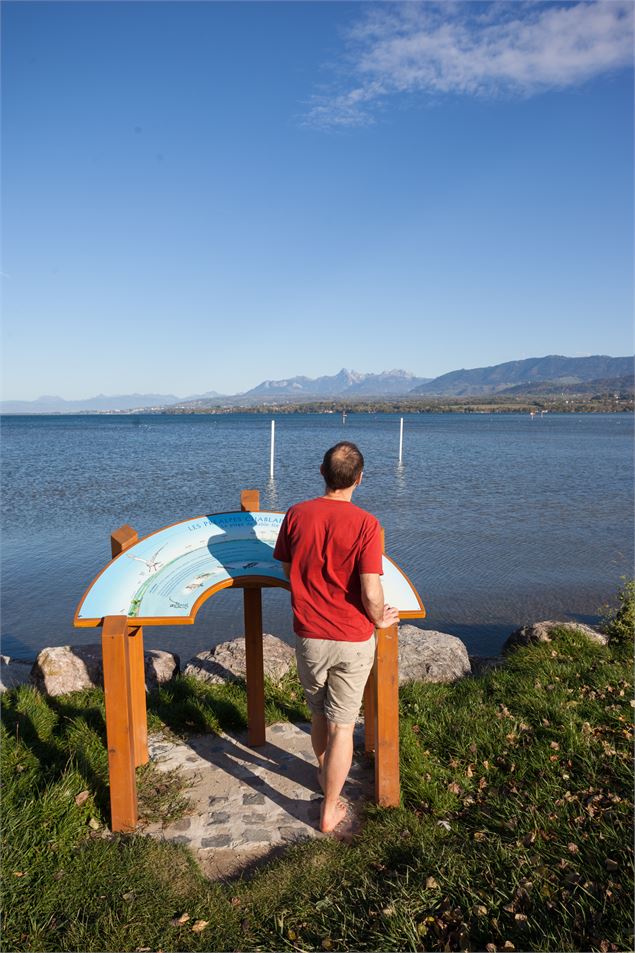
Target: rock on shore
x=541, y=632
x=71, y=668
x=428, y=656
x=226, y=662
x=424, y=656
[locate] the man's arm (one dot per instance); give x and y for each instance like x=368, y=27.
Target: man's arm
x=381, y=615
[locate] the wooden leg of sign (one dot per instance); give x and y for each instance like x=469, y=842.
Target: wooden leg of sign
x=122, y=539
x=138, y=696
x=118, y=698
x=255, y=667
x=387, y=791
x=369, y=711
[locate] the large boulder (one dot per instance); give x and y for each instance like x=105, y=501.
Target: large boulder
x=13, y=672
x=541, y=632
x=428, y=656
x=227, y=662
x=70, y=668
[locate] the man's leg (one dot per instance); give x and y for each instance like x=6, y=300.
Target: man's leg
x=337, y=763
x=345, y=687
x=318, y=740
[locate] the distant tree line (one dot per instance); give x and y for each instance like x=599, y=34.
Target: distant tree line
x=622, y=402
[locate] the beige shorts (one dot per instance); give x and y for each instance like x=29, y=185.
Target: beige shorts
x=333, y=675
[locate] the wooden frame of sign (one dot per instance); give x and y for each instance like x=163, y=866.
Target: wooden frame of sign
x=125, y=696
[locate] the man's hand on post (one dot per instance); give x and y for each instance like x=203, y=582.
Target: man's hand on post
x=391, y=617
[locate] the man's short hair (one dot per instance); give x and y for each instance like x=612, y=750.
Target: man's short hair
x=342, y=465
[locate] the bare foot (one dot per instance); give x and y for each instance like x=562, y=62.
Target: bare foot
x=347, y=828
x=330, y=820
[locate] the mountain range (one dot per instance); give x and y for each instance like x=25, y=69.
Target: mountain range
x=344, y=384
x=539, y=374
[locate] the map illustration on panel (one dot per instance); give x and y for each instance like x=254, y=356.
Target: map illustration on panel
x=164, y=574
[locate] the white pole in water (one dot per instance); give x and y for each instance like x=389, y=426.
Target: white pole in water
x=400, y=439
x=273, y=444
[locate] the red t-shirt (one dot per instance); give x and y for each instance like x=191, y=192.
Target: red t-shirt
x=328, y=543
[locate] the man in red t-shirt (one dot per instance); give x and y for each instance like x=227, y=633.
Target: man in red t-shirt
x=331, y=552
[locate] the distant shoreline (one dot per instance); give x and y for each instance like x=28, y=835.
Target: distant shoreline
x=450, y=406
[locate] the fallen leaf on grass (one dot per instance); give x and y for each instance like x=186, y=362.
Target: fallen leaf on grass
x=431, y=883
x=327, y=943
x=199, y=925
x=572, y=848
x=491, y=947
x=454, y=788
x=235, y=901
x=128, y=896
x=508, y=945
x=292, y=935
x=179, y=921
x=94, y=824
x=143, y=949
x=445, y=824
x=18, y=873
x=82, y=797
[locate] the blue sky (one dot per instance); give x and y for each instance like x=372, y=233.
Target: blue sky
x=199, y=196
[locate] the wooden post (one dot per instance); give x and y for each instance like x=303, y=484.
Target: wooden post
x=138, y=695
x=250, y=502
x=386, y=676
x=119, y=733
x=387, y=790
x=120, y=540
x=255, y=667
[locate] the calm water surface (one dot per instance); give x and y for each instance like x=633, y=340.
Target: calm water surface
x=498, y=520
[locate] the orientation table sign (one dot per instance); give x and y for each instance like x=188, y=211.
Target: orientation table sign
x=165, y=577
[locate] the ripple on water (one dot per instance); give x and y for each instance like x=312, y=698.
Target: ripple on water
x=498, y=520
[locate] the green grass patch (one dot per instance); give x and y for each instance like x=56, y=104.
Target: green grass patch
x=514, y=831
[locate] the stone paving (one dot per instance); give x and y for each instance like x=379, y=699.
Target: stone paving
x=246, y=803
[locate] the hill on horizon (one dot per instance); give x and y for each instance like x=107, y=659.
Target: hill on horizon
x=501, y=377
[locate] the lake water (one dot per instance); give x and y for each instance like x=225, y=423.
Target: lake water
x=499, y=520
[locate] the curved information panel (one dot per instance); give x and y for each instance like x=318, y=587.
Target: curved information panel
x=164, y=578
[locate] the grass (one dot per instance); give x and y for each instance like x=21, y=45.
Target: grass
x=514, y=830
